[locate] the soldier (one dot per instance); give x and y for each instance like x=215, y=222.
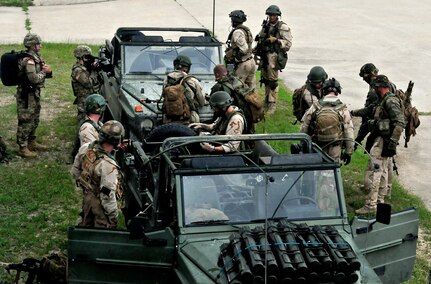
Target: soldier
x=98, y=174
x=274, y=40
x=84, y=78
x=230, y=121
x=3, y=149
x=368, y=73
x=239, y=50
x=32, y=73
x=329, y=124
x=386, y=127
x=310, y=92
x=193, y=89
x=89, y=127
x=236, y=89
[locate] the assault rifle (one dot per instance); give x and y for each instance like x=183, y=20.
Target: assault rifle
x=29, y=265
x=411, y=115
x=262, y=47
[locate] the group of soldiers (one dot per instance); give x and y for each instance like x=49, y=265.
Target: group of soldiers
x=329, y=122
x=96, y=171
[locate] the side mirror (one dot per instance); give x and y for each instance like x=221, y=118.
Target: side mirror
x=383, y=215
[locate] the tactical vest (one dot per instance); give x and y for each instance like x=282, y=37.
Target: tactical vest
x=248, y=38
x=80, y=90
x=22, y=75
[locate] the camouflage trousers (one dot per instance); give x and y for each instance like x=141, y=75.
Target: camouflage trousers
x=28, y=110
x=378, y=175
x=334, y=151
x=80, y=104
x=270, y=73
x=384, y=183
x=93, y=213
x=246, y=72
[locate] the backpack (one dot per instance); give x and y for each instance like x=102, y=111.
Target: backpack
x=53, y=269
x=328, y=123
x=9, y=70
x=299, y=104
x=411, y=114
x=256, y=106
x=175, y=102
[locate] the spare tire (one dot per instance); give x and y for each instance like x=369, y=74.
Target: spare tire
x=162, y=132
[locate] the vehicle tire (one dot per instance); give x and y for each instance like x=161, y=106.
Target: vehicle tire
x=162, y=132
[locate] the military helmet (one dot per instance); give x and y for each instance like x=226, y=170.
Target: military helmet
x=31, y=40
x=273, y=10
x=238, y=16
x=95, y=103
x=182, y=61
x=331, y=85
x=81, y=51
x=317, y=74
x=368, y=70
x=220, y=99
x=111, y=132
x=381, y=81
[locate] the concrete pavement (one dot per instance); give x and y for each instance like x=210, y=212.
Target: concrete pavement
x=339, y=35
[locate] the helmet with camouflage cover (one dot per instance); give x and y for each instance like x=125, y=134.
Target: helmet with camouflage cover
x=95, y=103
x=273, y=10
x=81, y=51
x=31, y=40
x=112, y=132
x=317, y=74
x=182, y=61
x=368, y=69
x=238, y=16
x=331, y=85
x=381, y=81
x=220, y=99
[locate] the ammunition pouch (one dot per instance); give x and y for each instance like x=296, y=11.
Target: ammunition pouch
x=281, y=59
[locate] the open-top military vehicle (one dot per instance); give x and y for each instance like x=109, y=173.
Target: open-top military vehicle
x=257, y=215
x=141, y=58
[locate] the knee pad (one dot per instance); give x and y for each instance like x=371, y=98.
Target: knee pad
x=273, y=85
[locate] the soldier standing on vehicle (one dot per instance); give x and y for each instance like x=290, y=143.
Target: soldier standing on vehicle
x=84, y=78
x=273, y=42
x=188, y=98
x=386, y=127
x=236, y=89
x=368, y=72
x=89, y=127
x=239, y=50
x=310, y=92
x=230, y=121
x=98, y=174
x=329, y=124
x=32, y=73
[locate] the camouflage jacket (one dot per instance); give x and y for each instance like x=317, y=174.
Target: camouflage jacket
x=239, y=42
x=281, y=31
x=84, y=82
x=30, y=71
x=389, y=109
x=89, y=130
x=233, y=124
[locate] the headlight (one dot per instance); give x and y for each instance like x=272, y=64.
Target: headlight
x=147, y=124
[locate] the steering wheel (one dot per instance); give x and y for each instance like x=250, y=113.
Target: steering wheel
x=306, y=198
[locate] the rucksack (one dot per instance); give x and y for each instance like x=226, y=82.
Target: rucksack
x=299, y=104
x=328, y=122
x=256, y=106
x=9, y=69
x=411, y=114
x=175, y=102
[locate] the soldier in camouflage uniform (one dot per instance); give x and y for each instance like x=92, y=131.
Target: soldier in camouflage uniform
x=386, y=127
x=98, y=174
x=231, y=84
x=344, y=139
x=89, y=127
x=84, y=78
x=194, y=92
x=239, y=50
x=32, y=73
x=368, y=73
x=274, y=39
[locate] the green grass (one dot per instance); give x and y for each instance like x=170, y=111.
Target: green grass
x=16, y=3
x=37, y=197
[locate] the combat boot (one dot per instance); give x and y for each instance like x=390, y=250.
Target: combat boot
x=271, y=108
x=26, y=153
x=366, y=210
x=34, y=146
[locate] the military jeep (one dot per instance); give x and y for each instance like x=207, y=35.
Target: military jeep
x=141, y=58
x=258, y=215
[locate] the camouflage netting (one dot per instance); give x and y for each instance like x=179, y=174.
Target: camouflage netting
x=294, y=254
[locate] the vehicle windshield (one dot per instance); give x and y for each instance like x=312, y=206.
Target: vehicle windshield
x=252, y=197
x=159, y=59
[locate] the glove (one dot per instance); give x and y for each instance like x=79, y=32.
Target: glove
x=207, y=147
x=389, y=148
x=295, y=148
x=346, y=158
x=113, y=221
x=271, y=39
